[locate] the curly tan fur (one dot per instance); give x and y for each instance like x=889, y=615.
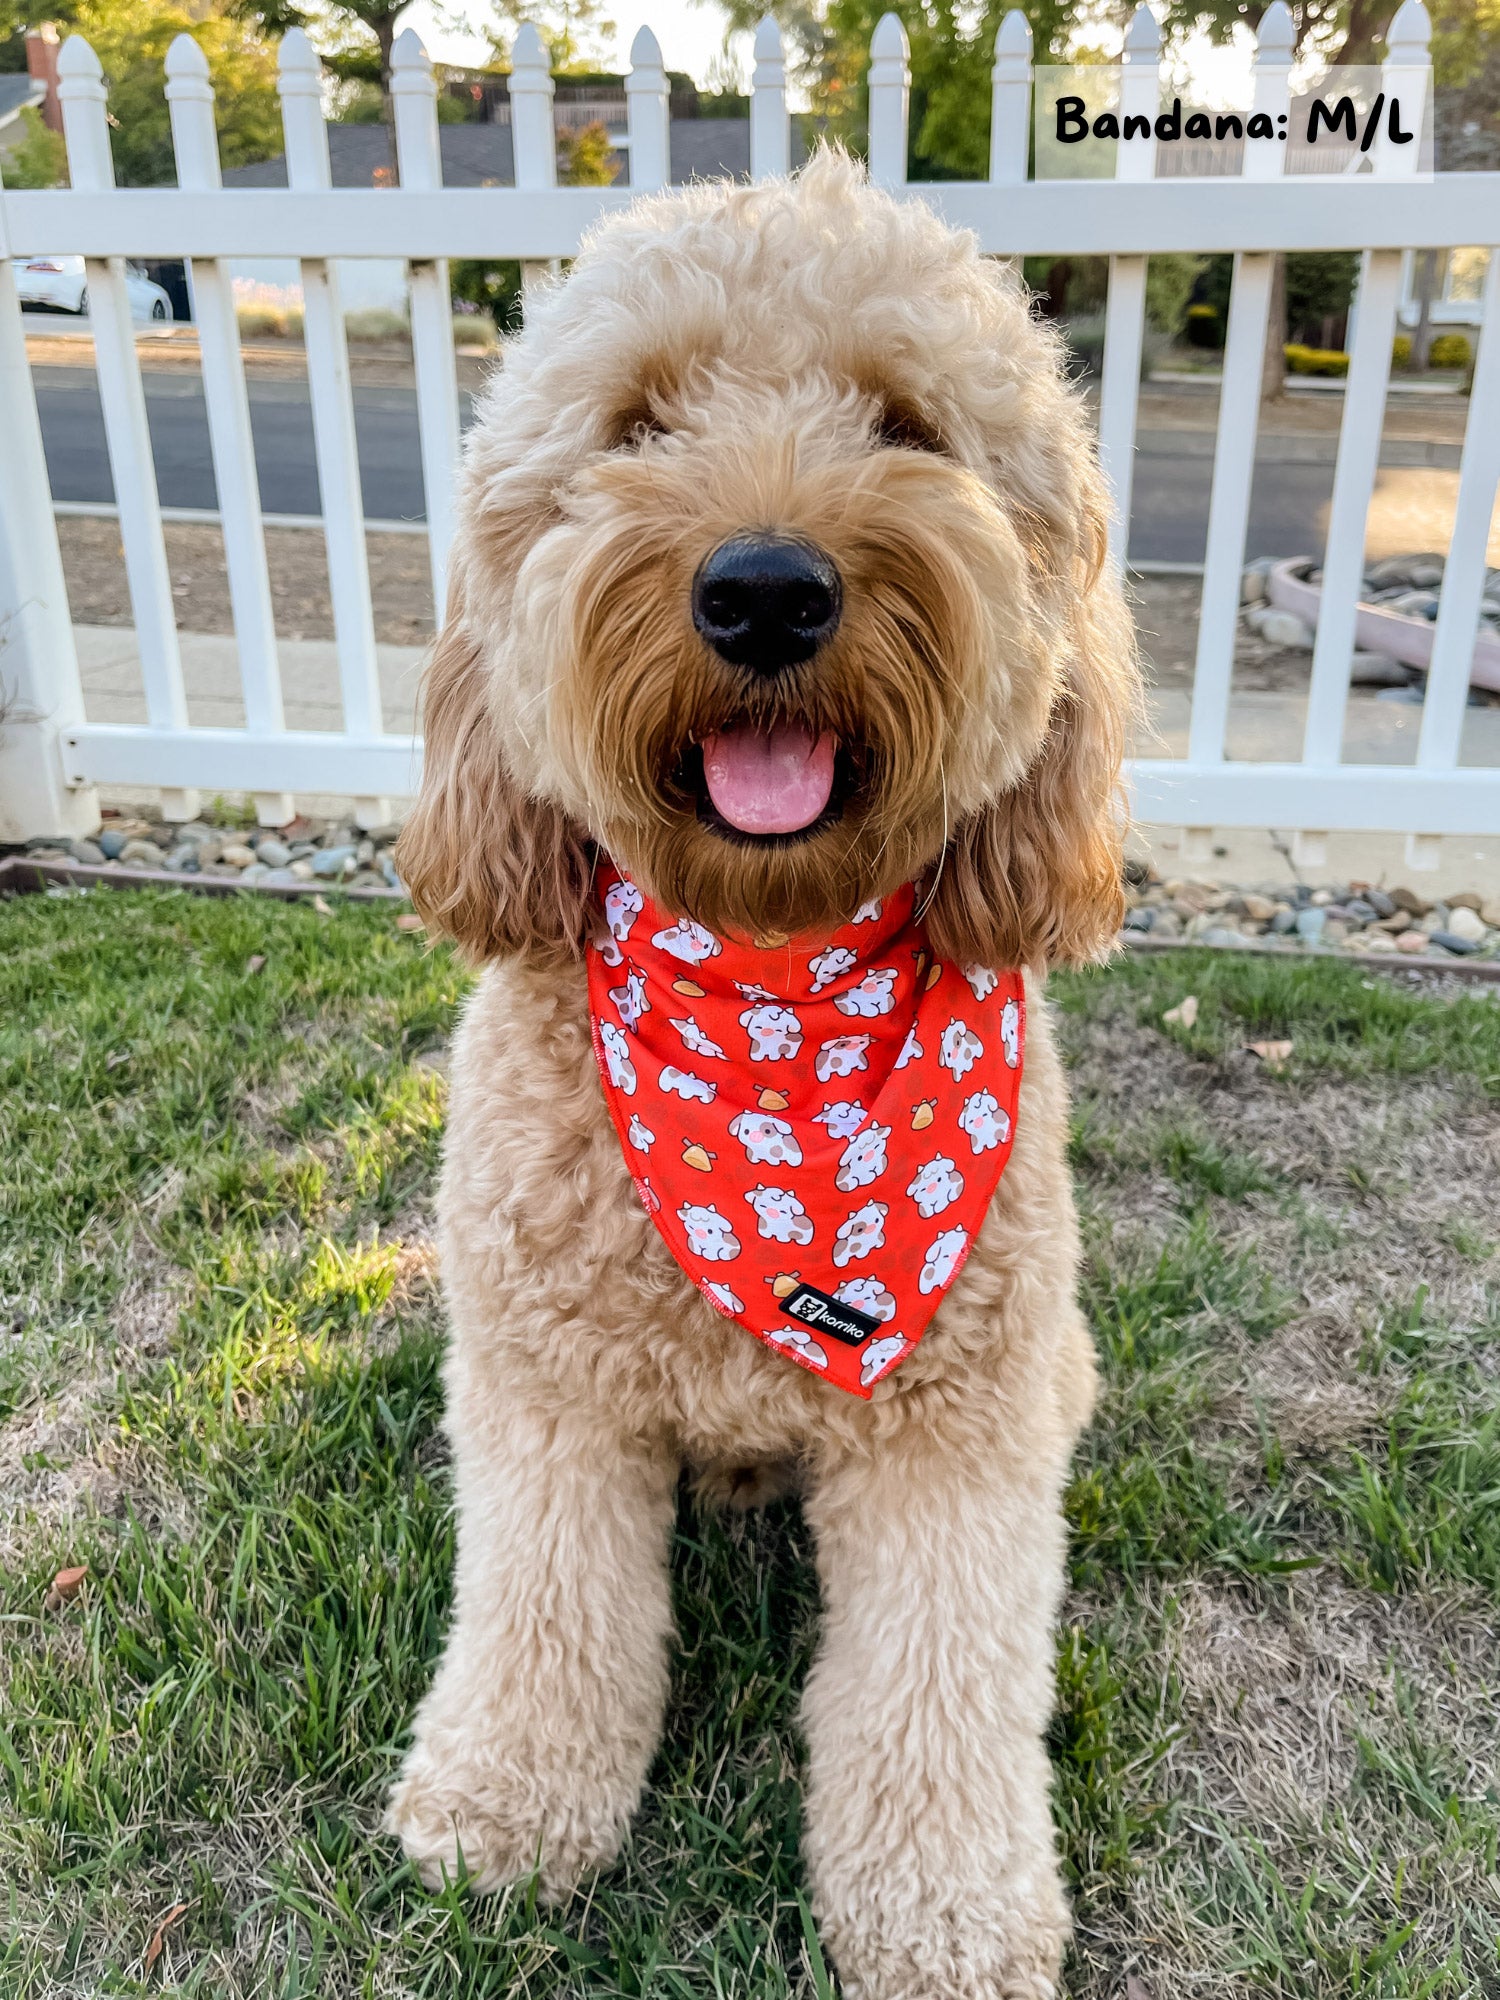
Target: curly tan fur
x=813, y=358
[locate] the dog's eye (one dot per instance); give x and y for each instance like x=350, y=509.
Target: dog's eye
x=902, y=428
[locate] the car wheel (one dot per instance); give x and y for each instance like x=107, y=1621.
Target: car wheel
x=158, y=308
x=83, y=301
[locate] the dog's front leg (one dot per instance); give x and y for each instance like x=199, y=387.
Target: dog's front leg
x=531, y=1748
x=929, y=1835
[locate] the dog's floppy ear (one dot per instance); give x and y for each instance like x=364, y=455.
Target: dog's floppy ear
x=1035, y=877
x=503, y=874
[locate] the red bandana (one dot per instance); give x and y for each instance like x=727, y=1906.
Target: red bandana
x=756, y=1091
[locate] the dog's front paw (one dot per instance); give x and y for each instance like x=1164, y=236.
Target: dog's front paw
x=984, y=1950
x=463, y=1817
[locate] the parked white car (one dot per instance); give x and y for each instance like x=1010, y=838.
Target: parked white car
x=61, y=285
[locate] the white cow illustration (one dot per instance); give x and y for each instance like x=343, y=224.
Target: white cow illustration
x=874, y=995
x=830, y=964
x=623, y=903
x=752, y=992
x=682, y=1083
x=911, y=1048
x=841, y=1056
x=843, y=1119
x=720, y=1295
x=1010, y=1032
x=943, y=1255
x=959, y=1049
x=630, y=999
x=775, y=1032
x=617, y=1057
x=709, y=1234
x=867, y=1295
x=864, y=1158
x=867, y=913
x=936, y=1187
x=860, y=1233
x=982, y=982
x=986, y=1124
x=688, y=941
x=780, y=1217
x=879, y=1356
x=801, y=1341
x=767, y=1141
x=696, y=1042
x=641, y=1136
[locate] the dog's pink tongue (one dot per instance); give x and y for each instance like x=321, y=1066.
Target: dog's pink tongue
x=768, y=781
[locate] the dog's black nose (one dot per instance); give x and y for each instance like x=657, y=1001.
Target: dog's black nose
x=766, y=602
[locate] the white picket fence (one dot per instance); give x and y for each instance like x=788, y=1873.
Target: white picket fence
x=52, y=756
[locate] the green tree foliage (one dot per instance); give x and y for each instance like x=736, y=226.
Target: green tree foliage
x=131, y=39
x=587, y=158
x=39, y=159
x=578, y=33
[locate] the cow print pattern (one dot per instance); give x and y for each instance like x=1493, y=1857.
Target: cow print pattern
x=834, y=1113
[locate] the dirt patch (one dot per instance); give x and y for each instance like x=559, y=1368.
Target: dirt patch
x=400, y=581
x=1166, y=617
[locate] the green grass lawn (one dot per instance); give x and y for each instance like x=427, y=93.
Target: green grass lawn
x=1278, y=1728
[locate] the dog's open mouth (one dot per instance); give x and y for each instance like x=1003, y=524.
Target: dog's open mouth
x=768, y=784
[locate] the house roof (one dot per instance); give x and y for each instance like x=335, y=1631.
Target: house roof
x=17, y=90
x=483, y=155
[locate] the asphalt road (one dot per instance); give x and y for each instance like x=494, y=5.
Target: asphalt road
x=1169, y=514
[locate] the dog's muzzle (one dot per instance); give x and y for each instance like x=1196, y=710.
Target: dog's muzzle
x=766, y=602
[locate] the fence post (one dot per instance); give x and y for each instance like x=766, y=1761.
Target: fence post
x=419, y=158
x=41, y=697
x=770, y=134
x=1010, y=101
x=890, y=84
x=1358, y=457
x=1234, y=448
x=123, y=401
x=190, y=104
x=646, y=107
x=531, y=129
x=330, y=393
x=1125, y=304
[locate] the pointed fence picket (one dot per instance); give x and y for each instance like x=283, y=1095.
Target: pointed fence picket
x=122, y=398
x=1256, y=215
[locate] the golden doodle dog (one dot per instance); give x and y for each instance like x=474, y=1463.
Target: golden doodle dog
x=779, y=585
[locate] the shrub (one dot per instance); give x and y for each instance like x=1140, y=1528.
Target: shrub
x=1401, y=350
x=1204, y=327
x=39, y=159
x=1315, y=360
x=1451, y=350
x=475, y=329
x=490, y=286
x=1170, y=277
x=260, y=318
x=376, y=323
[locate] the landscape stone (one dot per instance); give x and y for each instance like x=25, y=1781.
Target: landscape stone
x=331, y=862
x=145, y=853
x=1406, y=899
x=237, y=856
x=1284, y=628
x=1139, y=919
x=1284, y=921
x=300, y=871
x=1311, y=924
x=1380, y=902
x=112, y=843
x=1260, y=908
x=1465, y=899
x=88, y=852
x=275, y=853
x=1377, y=670
x=1464, y=923
x=1412, y=941
x=1451, y=941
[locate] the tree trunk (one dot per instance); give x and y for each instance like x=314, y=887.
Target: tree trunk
x=1367, y=19
x=385, y=34
x=1273, y=365
x=1426, y=287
